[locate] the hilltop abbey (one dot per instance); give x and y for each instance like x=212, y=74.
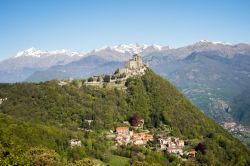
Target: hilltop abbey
x=134, y=66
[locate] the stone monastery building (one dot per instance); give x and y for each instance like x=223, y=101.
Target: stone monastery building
x=134, y=66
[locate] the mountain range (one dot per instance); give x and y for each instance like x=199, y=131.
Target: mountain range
x=215, y=76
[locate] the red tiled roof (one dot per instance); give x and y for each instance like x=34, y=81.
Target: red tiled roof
x=122, y=129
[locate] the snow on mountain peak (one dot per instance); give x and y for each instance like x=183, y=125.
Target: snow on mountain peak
x=66, y=52
x=122, y=48
x=157, y=47
x=129, y=48
x=33, y=52
x=212, y=42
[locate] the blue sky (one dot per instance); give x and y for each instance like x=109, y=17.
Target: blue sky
x=82, y=25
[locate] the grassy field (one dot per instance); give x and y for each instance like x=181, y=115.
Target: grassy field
x=118, y=160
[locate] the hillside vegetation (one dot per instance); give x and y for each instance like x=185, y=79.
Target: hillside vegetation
x=38, y=119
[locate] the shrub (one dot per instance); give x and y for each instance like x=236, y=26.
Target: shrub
x=90, y=79
x=106, y=78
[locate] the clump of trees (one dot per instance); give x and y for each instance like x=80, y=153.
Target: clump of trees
x=135, y=119
x=41, y=156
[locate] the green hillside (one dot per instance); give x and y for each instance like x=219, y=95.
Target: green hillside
x=38, y=120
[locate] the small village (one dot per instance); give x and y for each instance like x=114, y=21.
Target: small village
x=169, y=144
x=134, y=134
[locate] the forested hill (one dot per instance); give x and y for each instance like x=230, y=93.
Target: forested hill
x=37, y=120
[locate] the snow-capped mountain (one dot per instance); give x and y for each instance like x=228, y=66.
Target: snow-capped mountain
x=33, y=52
x=212, y=42
x=26, y=62
x=40, y=59
x=123, y=52
x=224, y=49
x=131, y=48
x=124, y=48
x=118, y=52
x=156, y=55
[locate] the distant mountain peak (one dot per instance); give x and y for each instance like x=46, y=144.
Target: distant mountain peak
x=67, y=52
x=32, y=52
x=130, y=48
x=212, y=42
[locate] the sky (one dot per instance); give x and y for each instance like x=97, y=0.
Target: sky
x=83, y=25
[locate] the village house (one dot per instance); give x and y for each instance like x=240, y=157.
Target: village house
x=172, y=145
x=164, y=142
x=75, y=142
x=122, y=139
x=163, y=146
x=123, y=136
x=192, y=153
x=122, y=130
x=2, y=100
x=180, y=143
x=142, y=138
x=175, y=149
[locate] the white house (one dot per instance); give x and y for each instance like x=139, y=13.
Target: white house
x=75, y=142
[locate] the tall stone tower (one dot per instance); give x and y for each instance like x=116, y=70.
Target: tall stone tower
x=135, y=62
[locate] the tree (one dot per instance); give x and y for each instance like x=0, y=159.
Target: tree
x=90, y=79
x=201, y=147
x=89, y=144
x=106, y=78
x=135, y=119
x=117, y=71
x=11, y=154
x=113, y=77
x=76, y=153
x=41, y=156
x=77, y=83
